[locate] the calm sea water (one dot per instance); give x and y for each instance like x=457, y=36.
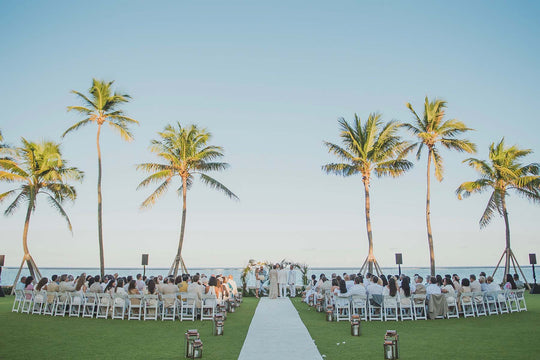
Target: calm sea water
x=8, y=273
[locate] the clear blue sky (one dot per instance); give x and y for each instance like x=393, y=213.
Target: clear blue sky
x=269, y=80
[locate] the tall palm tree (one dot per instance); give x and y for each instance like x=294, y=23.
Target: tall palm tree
x=184, y=152
x=101, y=107
x=430, y=129
x=40, y=169
x=372, y=147
x=503, y=172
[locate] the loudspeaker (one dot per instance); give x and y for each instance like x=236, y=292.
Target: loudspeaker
x=2, y=257
x=535, y=289
x=144, y=259
x=399, y=259
x=532, y=259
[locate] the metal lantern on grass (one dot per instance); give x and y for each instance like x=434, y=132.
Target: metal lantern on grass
x=232, y=305
x=197, y=349
x=329, y=313
x=391, y=348
x=218, y=325
x=319, y=306
x=223, y=309
x=191, y=336
x=355, y=325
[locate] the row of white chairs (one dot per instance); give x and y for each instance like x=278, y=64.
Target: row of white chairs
x=180, y=306
x=386, y=307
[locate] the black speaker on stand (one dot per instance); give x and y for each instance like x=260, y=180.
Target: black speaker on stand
x=2, y=258
x=535, y=288
x=399, y=261
x=144, y=263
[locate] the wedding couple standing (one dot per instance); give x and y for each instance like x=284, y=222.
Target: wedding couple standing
x=281, y=279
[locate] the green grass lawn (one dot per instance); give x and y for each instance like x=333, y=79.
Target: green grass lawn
x=507, y=336
x=24, y=336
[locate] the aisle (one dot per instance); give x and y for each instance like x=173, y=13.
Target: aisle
x=276, y=332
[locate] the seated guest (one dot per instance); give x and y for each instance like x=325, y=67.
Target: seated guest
x=196, y=288
x=456, y=282
x=420, y=288
x=391, y=288
x=120, y=287
x=374, y=288
x=483, y=285
x=432, y=288
x=342, y=288
x=439, y=280
x=491, y=285
x=21, y=284
x=335, y=286
x=42, y=284
x=65, y=286
x=405, y=292
x=474, y=284
x=111, y=285
x=510, y=283
x=96, y=285
x=140, y=283
x=519, y=283
x=183, y=285
x=29, y=286
x=448, y=288
x=358, y=287
x=232, y=285
x=348, y=282
x=465, y=288
x=326, y=287
x=210, y=289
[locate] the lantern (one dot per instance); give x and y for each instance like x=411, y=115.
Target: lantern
x=223, y=309
x=355, y=325
x=232, y=305
x=319, y=305
x=391, y=349
x=191, y=336
x=240, y=297
x=197, y=349
x=329, y=313
x=218, y=325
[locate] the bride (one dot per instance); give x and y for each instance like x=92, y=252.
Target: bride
x=273, y=277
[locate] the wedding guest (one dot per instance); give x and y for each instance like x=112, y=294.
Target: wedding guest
x=335, y=286
x=210, y=289
x=491, y=285
x=391, y=288
x=448, y=288
x=28, y=286
x=519, y=283
x=358, y=287
x=42, y=284
x=384, y=280
x=483, y=284
x=439, y=280
x=326, y=287
x=510, y=283
x=282, y=281
x=432, y=288
x=420, y=289
x=474, y=284
x=80, y=286
x=374, y=288
x=405, y=292
x=291, y=281
x=140, y=283
x=111, y=285
x=232, y=285
x=348, y=282
x=96, y=286
x=21, y=284
x=195, y=288
x=342, y=287
x=465, y=288
x=455, y=280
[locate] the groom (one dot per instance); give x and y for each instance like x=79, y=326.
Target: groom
x=282, y=281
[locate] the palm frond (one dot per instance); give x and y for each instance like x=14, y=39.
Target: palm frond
x=340, y=169
x=56, y=205
x=121, y=129
x=151, y=200
x=77, y=126
x=213, y=183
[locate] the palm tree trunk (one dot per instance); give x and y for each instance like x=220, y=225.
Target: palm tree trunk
x=371, y=258
x=26, y=256
x=100, y=220
x=507, y=251
x=182, y=227
x=428, y=217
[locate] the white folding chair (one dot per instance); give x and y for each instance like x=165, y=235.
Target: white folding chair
x=118, y=306
x=375, y=307
x=390, y=307
x=27, y=301
x=467, y=305
x=502, y=302
x=452, y=311
x=343, y=308
x=490, y=299
x=359, y=306
x=512, y=300
x=406, y=311
x=189, y=308
x=61, y=307
x=135, y=307
x=52, y=298
x=90, y=304
x=103, y=305
x=76, y=301
x=419, y=306
x=479, y=304
x=169, y=306
x=17, y=302
x=40, y=299
x=520, y=296
x=208, y=309
x=151, y=306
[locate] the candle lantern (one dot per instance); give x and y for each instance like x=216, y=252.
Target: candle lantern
x=232, y=305
x=197, y=349
x=218, y=325
x=329, y=313
x=191, y=336
x=319, y=305
x=355, y=325
x=391, y=348
x=223, y=310
x=240, y=297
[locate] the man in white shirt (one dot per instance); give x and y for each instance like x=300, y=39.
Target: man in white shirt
x=140, y=283
x=358, y=287
x=348, y=282
x=282, y=281
x=194, y=288
x=291, y=281
x=374, y=288
x=432, y=287
x=233, y=286
x=475, y=287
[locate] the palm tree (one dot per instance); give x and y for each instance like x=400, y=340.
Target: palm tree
x=370, y=147
x=184, y=152
x=102, y=107
x=40, y=169
x=502, y=173
x=430, y=131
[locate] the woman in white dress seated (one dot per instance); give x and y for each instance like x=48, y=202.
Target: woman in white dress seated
x=448, y=289
x=405, y=292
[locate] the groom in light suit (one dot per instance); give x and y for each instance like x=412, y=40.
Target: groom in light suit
x=291, y=281
x=282, y=282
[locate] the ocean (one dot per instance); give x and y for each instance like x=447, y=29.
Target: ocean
x=8, y=273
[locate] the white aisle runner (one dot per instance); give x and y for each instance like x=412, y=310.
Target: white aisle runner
x=277, y=332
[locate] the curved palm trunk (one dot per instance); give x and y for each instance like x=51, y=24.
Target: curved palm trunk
x=507, y=251
x=371, y=258
x=428, y=218
x=100, y=220
x=182, y=227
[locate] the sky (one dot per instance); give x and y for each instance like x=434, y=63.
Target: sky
x=269, y=81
